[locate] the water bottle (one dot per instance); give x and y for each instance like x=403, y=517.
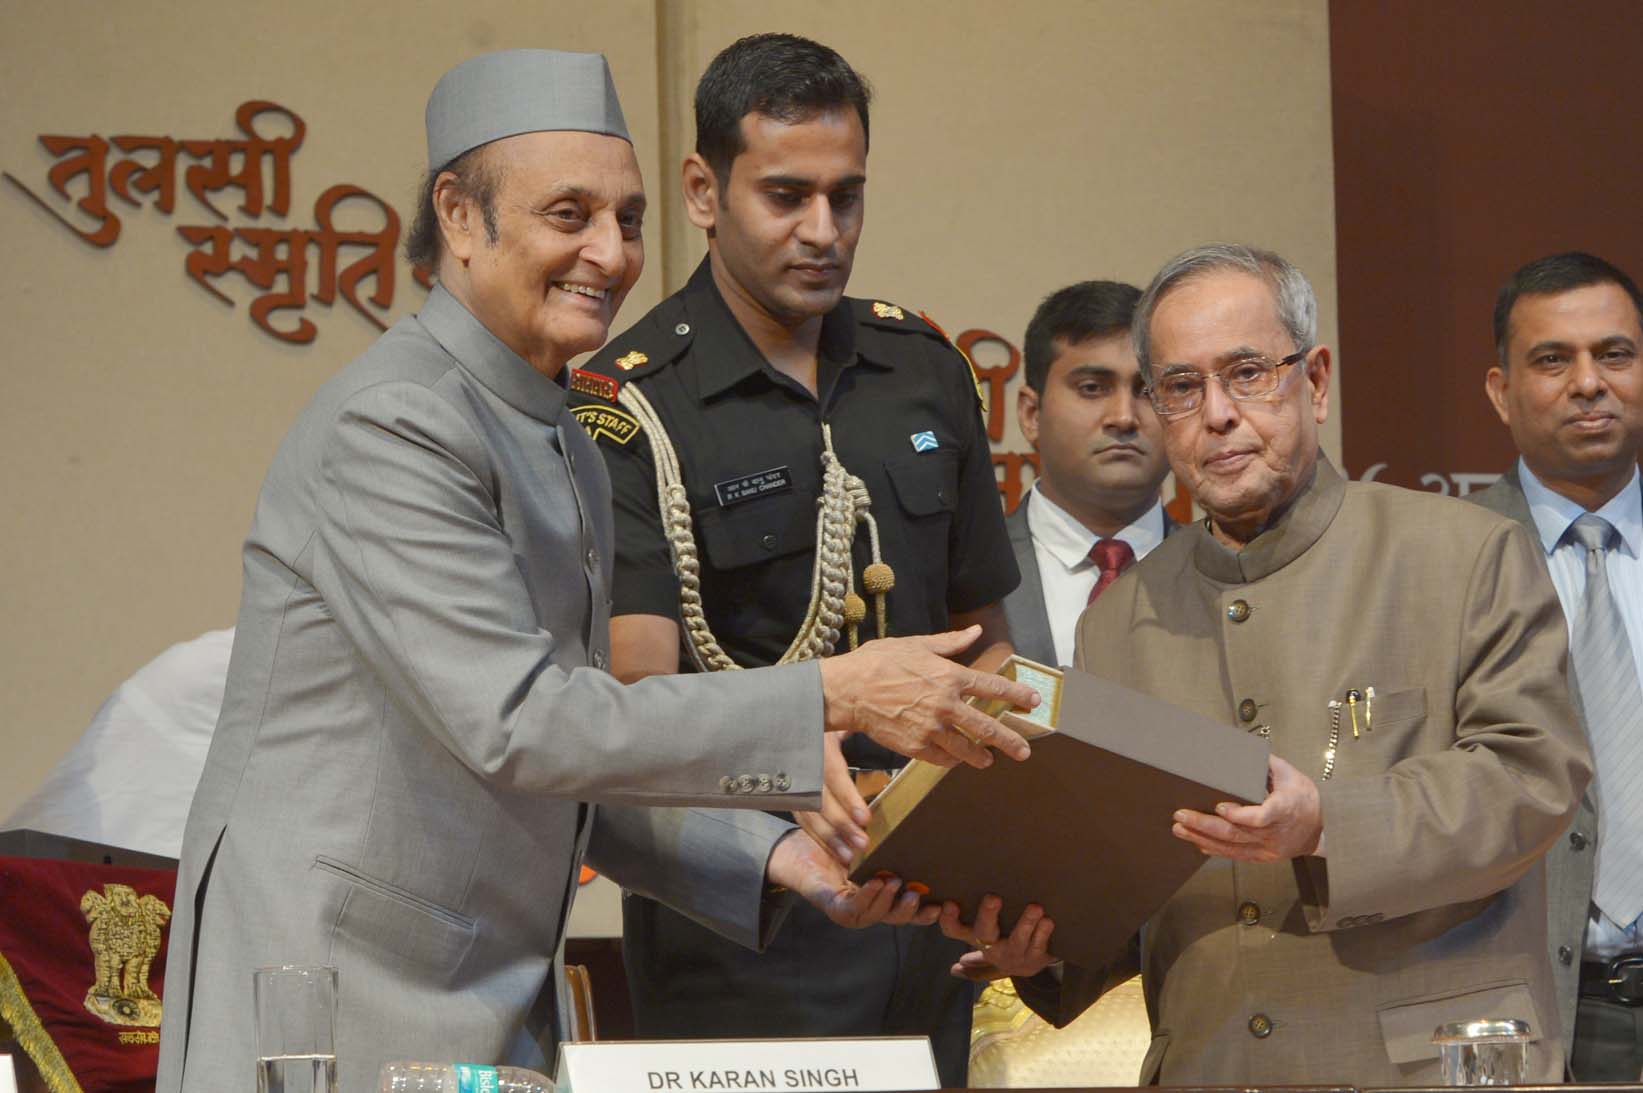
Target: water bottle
x=460, y=1078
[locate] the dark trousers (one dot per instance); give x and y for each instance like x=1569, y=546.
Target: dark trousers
x=815, y=979
x=1608, y=1043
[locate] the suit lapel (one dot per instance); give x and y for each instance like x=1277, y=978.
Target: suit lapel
x=1024, y=608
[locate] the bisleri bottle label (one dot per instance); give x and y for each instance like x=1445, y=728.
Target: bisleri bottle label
x=471, y=1078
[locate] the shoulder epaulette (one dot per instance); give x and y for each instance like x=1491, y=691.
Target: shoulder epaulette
x=886, y=316
x=883, y=316
x=650, y=344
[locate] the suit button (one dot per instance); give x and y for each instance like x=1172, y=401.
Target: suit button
x=1247, y=709
x=727, y=784
x=764, y=783
x=783, y=782
x=768, y=542
x=1249, y=913
x=744, y=784
x=1565, y=955
x=593, y=559
x=1260, y=1026
x=1238, y=611
x=682, y=329
x=600, y=660
x=1577, y=840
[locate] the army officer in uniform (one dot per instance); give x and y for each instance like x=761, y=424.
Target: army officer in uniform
x=824, y=478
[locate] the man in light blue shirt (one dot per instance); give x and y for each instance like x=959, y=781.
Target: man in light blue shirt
x=1569, y=386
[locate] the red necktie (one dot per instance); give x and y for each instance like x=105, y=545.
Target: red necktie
x=1112, y=557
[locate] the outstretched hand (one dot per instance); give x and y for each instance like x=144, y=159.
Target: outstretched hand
x=801, y=864
x=907, y=696
x=1288, y=824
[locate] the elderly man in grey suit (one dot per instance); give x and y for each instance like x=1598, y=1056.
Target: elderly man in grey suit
x=1405, y=657
x=1094, y=509
x=1569, y=385
x=417, y=723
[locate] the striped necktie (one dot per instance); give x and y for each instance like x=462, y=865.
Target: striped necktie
x=1606, y=673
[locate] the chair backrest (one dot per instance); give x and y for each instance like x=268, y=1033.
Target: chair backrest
x=1013, y=1047
x=581, y=1027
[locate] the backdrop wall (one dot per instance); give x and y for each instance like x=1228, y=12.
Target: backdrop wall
x=1014, y=151
x=1466, y=146
x=140, y=411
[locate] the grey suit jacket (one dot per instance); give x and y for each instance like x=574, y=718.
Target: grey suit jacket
x=416, y=723
x=1024, y=608
x=1571, y=860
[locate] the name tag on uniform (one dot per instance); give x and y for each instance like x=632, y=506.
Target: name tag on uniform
x=749, y=486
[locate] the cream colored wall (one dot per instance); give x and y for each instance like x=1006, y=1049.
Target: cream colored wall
x=1016, y=148
x=1019, y=148
x=139, y=414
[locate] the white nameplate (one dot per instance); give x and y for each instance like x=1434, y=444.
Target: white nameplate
x=8, y=1075
x=802, y=1066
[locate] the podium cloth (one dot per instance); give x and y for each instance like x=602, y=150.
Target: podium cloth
x=82, y=958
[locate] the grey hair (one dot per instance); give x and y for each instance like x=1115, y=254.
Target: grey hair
x=1297, y=303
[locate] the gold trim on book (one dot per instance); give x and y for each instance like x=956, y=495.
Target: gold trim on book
x=32, y=1035
x=1038, y=721
x=911, y=783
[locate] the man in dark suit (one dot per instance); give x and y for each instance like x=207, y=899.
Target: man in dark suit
x=1569, y=386
x=1094, y=509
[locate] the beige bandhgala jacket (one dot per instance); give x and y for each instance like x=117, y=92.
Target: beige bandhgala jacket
x=1430, y=904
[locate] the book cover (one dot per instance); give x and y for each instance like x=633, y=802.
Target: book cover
x=1082, y=826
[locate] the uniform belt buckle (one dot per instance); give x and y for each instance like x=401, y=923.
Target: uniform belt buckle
x=1625, y=975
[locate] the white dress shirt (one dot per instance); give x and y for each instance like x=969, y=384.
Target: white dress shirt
x=1062, y=547
x=1553, y=513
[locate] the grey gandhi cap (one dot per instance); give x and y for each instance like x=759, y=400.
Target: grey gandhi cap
x=498, y=95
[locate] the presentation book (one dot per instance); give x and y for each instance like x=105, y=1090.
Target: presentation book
x=1081, y=827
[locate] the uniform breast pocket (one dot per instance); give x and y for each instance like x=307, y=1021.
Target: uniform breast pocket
x=758, y=530
x=917, y=525
x=926, y=485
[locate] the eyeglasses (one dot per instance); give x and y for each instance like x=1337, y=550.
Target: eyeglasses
x=1182, y=392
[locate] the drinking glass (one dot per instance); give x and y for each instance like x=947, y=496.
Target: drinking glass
x=296, y=1007
x=1483, y=1052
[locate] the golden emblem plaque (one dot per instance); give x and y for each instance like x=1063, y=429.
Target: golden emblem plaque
x=125, y=940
